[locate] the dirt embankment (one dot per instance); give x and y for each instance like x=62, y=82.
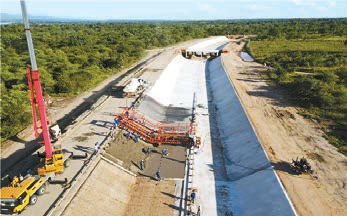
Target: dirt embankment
x=285, y=135
x=152, y=198
x=111, y=191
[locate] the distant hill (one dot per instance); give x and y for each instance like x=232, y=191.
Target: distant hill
x=16, y=18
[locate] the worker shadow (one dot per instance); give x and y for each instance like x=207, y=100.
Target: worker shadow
x=136, y=164
x=170, y=195
x=173, y=207
x=84, y=149
x=173, y=159
x=153, y=151
x=147, y=176
x=65, y=151
x=103, y=134
x=283, y=166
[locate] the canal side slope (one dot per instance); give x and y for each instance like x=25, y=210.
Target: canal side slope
x=253, y=186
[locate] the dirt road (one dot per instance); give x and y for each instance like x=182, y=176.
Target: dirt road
x=286, y=135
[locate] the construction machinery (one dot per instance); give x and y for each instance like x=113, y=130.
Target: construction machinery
x=301, y=166
x=20, y=192
x=55, y=132
x=53, y=161
x=189, y=54
x=155, y=132
x=135, y=87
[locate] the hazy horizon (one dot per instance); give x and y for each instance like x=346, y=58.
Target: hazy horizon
x=180, y=9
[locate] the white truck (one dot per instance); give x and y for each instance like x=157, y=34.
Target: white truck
x=55, y=132
x=135, y=87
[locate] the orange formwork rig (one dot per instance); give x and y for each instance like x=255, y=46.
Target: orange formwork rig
x=156, y=132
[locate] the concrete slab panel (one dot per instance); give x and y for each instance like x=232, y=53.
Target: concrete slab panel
x=252, y=184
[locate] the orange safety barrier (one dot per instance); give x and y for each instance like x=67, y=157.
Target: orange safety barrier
x=156, y=132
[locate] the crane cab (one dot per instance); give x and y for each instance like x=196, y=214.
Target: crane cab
x=15, y=196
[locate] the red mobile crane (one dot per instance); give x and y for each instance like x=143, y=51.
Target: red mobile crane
x=53, y=161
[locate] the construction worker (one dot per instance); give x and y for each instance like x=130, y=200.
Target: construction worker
x=116, y=122
x=132, y=105
x=164, y=152
x=136, y=137
x=194, y=140
x=148, y=151
x=142, y=165
x=96, y=147
x=193, y=196
x=157, y=175
x=127, y=135
x=198, y=213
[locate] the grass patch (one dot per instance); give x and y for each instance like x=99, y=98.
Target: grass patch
x=314, y=74
x=263, y=49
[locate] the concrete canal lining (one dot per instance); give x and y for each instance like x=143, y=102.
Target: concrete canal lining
x=253, y=186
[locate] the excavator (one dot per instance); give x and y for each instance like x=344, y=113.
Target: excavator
x=21, y=191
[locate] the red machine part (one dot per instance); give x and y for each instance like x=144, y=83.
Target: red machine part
x=156, y=132
x=33, y=103
x=35, y=87
x=37, y=99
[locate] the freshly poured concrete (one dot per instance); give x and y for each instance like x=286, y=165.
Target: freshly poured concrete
x=171, y=98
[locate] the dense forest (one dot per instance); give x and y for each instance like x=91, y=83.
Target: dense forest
x=75, y=57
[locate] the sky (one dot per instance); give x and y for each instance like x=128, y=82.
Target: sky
x=179, y=9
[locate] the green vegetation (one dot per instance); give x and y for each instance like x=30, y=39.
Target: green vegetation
x=75, y=57
x=314, y=73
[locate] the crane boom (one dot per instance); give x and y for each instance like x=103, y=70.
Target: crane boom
x=34, y=77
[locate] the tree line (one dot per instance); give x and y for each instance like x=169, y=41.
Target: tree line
x=75, y=57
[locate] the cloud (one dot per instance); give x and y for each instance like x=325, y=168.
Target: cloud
x=257, y=7
x=315, y=4
x=208, y=8
x=332, y=3
x=297, y=1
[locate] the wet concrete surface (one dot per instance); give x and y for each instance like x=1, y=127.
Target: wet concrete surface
x=171, y=166
x=164, y=113
x=130, y=153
